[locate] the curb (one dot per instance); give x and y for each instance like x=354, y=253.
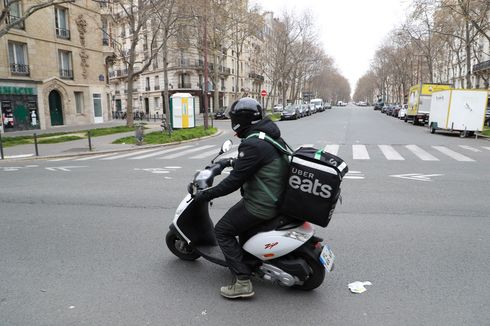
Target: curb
x=95, y=152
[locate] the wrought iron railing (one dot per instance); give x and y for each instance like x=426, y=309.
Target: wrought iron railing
x=19, y=69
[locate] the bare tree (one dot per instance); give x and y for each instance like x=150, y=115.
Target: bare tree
x=144, y=26
x=12, y=15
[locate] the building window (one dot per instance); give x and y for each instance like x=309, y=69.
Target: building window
x=97, y=105
x=14, y=12
x=61, y=17
x=79, y=102
x=157, y=83
x=147, y=84
x=18, y=58
x=184, y=81
x=65, y=64
x=157, y=103
x=105, y=32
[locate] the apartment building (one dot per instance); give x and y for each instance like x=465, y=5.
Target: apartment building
x=53, y=67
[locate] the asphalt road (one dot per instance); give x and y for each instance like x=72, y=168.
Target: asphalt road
x=82, y=240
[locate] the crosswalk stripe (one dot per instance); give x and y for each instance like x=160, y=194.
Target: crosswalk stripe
x=332, y=149
x=127, y=155
x=359, y=152
x=421, y=154
x=455, y=155
x=192, y=150
x=94, y=157
x=476, y=150
x=211, y=152
x=390, y=153
x=159, y=153
x=486, y=147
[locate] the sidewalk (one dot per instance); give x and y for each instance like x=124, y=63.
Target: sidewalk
x=76, y=147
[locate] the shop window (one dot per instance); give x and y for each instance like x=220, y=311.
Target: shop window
x=18, y=58
x=62, y=26
x=79, y=102
x=65, y=64
x=14, y=12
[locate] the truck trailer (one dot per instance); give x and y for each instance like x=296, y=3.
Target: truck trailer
x=458, y=110
x=419, y=102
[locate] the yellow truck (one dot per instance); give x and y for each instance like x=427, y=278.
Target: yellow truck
x=419, y=100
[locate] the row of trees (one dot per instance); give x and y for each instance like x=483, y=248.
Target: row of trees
x=440, y=40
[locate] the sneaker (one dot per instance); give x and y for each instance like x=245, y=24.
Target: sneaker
x=240, y=289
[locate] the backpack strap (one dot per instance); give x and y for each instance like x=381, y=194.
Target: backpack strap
x=262, y=135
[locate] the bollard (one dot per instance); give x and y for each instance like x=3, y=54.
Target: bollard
x=35, y=144
x=1, y=147
x=139, y=134
x=89, y=141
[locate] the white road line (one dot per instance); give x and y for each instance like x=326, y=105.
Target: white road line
x=390, y=153
x=486, y=147
x=186, y=152
x=476, y=150
x=169, y=150
x=332, y=149
x=210, y=153
x=453, y=154
x=127, y=155
x=359, y=152
x=93, y=157
x=19, y=156
x=421, y=154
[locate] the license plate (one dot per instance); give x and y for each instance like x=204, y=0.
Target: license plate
x=327, y=257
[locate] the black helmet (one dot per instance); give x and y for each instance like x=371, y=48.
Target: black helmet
x=244, y=112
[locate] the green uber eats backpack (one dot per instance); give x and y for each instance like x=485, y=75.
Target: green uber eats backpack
x=313, y=186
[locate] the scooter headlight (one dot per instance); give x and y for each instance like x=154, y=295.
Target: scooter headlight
x=297, y=235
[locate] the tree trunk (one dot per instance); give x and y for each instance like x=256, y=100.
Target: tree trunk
x=468, y=55
x=166, y=94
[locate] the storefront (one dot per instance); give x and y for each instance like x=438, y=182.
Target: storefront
x=19, y=108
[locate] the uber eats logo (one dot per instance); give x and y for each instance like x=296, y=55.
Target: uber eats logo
x=306, y=182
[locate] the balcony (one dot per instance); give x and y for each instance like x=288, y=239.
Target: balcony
x=147, y=88
x=184, y=85
x=66, y=73
x=19, y=69
x=12, y=19
x=157, y=87
x=63, y=33
x=481, y=67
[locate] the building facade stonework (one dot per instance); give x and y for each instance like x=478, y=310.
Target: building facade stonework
x=52, y=69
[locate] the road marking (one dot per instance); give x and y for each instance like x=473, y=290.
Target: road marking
x=453, y=154
x=306, y=145
x=93, y=157
x=357, y=175
x=390, y=153
x=209, y=153
x=476, y=150
x=359, y=152
x=127, y=154
x=186, y=152
x=63, y=168
x=421, y=154
x=486, y=147
x=416, y=176
x=11, y=168
x=159, y=152
x=154, y=170
x=332, y=149
x=61, y=159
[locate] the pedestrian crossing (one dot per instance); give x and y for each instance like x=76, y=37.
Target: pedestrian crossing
x=356, y=152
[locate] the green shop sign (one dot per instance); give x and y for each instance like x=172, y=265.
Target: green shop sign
x=11, y=90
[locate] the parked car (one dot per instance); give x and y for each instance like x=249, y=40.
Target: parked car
x=277, y=108
x=395, y=111
x=301, y=109
x=290, y=112
x=379, y=105
x=222, y=113
x=403, y=112
x=313, y=108
x=327, y=105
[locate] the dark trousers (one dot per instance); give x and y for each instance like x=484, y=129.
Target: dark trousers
x=235, y=222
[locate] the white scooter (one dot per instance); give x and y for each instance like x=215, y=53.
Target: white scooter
x=282, y=250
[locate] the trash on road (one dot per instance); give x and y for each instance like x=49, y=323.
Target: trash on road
x=358, y=287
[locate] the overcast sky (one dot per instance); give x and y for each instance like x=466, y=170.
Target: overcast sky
x=349, y=30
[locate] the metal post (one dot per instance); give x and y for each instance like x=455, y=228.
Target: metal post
x=35, y=144
x=89, y=141
x=1, y=146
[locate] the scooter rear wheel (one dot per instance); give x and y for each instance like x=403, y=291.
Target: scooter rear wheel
x=317, y=273
x=179, y=247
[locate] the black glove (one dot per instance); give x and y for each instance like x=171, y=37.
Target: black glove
x=201, y=196
x=226, y=162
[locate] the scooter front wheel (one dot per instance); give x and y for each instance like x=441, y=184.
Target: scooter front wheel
x=179, y=247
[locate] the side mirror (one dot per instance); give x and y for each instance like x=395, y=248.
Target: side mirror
x=226, y=147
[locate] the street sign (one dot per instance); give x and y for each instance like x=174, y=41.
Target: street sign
x=263, y=93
